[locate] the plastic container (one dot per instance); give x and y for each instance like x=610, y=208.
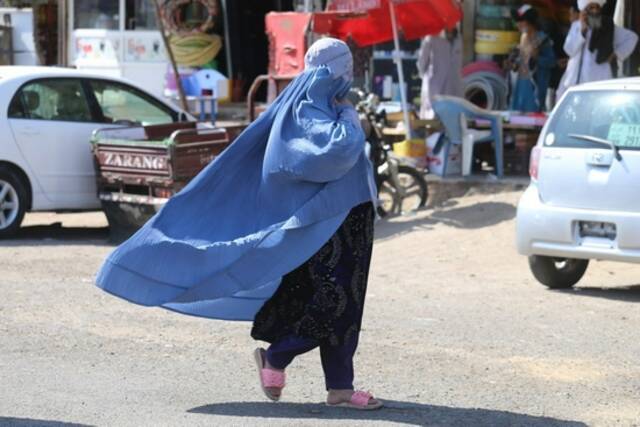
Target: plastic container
x=435, y=161
x=198, y=83
x=170, y=86
x=207, y=81
x=413, y=148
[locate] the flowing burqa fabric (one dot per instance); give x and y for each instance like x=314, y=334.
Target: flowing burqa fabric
x=219, y=248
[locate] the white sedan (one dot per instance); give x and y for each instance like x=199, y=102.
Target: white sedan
x=584, y=199
x=47, y=116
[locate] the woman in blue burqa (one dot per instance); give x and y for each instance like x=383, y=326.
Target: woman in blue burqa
x=278, y=230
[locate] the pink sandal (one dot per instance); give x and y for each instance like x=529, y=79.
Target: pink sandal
x=360, y=400
x=269, y=378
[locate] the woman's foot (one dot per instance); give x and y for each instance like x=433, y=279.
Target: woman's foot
x=353, y=399
x=272, y=380
x=275, y=391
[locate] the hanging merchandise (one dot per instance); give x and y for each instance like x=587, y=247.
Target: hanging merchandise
x=195, y=50
x=172, y=15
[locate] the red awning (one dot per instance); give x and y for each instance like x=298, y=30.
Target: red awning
x=368, y=22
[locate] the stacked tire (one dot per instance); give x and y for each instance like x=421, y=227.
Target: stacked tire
x=496, y=33
x=485, y=85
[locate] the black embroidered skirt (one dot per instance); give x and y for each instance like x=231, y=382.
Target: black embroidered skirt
x=324, y=298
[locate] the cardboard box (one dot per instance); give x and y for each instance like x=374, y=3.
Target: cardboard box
x=435, y=161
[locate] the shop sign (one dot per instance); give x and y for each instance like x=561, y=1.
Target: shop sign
x=134, y=161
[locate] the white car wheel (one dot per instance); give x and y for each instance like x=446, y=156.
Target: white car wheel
x=13, y=199
x=9, y=204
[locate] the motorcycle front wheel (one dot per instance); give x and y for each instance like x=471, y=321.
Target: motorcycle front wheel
x=411, y=195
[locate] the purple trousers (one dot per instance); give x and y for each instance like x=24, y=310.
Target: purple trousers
x=337, y=361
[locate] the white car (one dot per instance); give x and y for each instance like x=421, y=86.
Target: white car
x=584, y=199
x=47, y=116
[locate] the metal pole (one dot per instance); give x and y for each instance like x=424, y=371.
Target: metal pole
x=172, y=59
x=62, y=33
x=227, y=41
x=398, y=61
x=468, y=30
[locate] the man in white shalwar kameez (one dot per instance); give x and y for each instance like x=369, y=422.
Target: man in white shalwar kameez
x=440, y=66
x=594, y=44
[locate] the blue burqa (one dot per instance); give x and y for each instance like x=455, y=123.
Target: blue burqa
x=219, y=248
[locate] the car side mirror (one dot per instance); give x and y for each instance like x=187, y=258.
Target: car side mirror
x=183, y=117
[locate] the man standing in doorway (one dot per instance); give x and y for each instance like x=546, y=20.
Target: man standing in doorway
x=440, y=66
x=594, y=45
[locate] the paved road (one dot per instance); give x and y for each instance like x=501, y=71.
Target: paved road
x=456, y=333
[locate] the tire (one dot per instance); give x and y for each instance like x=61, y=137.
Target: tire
x=498, y=37
x=387, y=198
x=415, y=184
x=13, y=202
x=557, y=273
x=421, y=190
x=493, y=48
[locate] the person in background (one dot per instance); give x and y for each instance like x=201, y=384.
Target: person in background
x=533, y=61
x=594, y=45
x=574, y=12
x=557, y=34
x=563, y=59
x=440, y=66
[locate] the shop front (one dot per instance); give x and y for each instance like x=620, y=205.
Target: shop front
x=490, y=37
x=118, y=38
x=121, y=38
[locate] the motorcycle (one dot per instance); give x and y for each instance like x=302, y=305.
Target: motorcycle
x=402, y=188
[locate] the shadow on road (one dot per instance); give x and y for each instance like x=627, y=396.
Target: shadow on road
x=55, y=233
x=476, y=216
x=398, y=412
x=27, y=422
x=388, y=228
x=627, y=293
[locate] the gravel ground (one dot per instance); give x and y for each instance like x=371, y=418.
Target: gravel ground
x=456, y=332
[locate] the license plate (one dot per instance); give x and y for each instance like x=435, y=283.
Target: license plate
x=604, y=230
